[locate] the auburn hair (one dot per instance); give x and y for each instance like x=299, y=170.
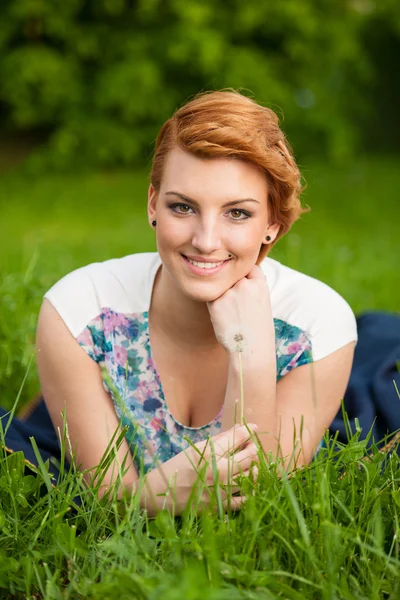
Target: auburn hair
x=227, y=124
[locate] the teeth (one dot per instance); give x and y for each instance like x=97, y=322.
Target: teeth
x=205, y=265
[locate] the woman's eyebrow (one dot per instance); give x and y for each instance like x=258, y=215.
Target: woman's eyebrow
x=231, y=203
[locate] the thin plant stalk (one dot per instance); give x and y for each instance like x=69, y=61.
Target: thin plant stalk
x=241, y=388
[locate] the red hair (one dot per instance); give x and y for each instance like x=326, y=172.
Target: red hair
x=227, y=124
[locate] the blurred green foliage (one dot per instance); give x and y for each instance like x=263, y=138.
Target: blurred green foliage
x=97, y=78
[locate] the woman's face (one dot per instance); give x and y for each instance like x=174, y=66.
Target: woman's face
x=192, y=220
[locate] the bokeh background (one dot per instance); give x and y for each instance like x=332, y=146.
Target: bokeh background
x=86, y=85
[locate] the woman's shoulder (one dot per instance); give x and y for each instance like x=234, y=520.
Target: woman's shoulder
x=122, y=285
x=302, y=302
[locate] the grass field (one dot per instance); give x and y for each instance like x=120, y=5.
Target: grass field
x=329, y=532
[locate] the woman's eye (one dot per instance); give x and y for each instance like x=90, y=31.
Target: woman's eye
x=241, y=212
x=244, y=213
x=173, y=206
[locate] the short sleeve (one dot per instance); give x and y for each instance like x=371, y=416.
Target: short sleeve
x=312, y=320
x=92, y=339
x=293, y=348
x=75, y=299
x=334, y=327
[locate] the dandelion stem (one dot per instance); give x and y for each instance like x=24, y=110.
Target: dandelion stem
x=241, y=389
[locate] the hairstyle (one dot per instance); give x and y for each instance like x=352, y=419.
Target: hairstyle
x=226, y=124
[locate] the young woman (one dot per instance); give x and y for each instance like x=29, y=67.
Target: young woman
x=158, y=339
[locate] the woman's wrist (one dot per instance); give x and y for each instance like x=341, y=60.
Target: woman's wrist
x=149, y=486
x=251, y=358
x=251, y=389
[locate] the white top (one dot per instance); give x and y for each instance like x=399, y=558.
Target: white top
x=125, y=285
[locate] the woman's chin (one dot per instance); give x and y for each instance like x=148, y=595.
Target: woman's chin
x=201, y=295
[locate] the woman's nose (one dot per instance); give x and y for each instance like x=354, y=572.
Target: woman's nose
x=207, y=238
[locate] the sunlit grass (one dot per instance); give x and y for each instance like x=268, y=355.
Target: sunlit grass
x=330, y=530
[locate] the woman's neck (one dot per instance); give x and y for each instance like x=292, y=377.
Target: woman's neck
x=180, y=320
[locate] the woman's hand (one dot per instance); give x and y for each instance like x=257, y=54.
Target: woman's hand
x=242, y=316
x=171, y=484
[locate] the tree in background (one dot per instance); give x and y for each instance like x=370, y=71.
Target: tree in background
x=98, y=77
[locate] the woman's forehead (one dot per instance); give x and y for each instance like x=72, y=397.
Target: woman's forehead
x=235, y=177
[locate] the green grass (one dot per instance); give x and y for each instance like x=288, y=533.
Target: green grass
x=328, y=532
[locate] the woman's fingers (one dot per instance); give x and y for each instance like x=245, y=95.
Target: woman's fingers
x=229, y=441
x=229, y=500
x=234, y=464
x=243, y=459
x=252, y=471
x=234, y=503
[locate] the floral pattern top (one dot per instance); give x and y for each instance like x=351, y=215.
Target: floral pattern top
x=121, y=344
x=96, y=303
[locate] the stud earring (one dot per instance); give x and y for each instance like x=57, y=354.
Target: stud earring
x=154, y=223
x=268, y=238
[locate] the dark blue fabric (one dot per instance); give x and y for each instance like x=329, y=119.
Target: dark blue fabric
x=38, y=425
x=370, y=394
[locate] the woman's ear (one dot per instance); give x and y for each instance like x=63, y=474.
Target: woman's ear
x=151, y=202
x=272, y=231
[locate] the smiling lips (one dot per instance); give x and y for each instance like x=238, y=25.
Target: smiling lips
x=200, y=259
x=203, y=270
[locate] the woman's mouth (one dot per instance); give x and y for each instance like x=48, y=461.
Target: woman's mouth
x=205, y=270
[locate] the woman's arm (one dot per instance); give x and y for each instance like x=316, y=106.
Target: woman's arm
x=259, y=391
x=293, y=414
x=298, y=409
x=70, y=380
